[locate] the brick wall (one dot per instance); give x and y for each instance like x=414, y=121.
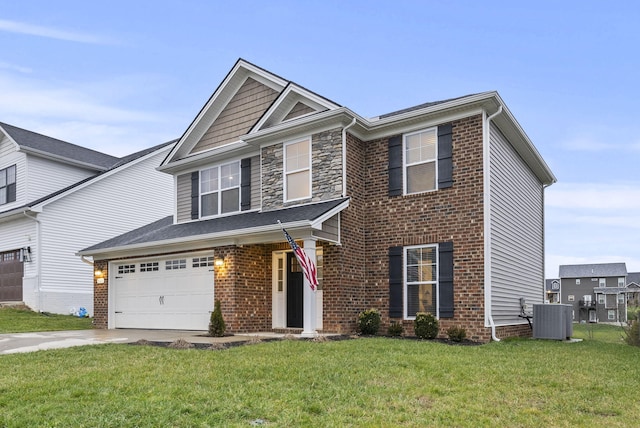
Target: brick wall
x=453, y=214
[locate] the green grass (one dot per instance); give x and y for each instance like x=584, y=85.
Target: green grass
x=21, y=321
x=373, y=382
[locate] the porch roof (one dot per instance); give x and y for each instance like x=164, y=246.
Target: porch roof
x=258, y=226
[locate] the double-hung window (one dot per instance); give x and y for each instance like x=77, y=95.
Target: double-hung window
x=220, y=189
x=420, y=155
x=8, y=185
x=297, y=170
x=421, y=280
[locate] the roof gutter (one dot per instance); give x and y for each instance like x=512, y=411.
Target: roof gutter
x=344, y=156
x=487, y=223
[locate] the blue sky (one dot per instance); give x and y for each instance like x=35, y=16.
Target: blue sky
x=120, y=76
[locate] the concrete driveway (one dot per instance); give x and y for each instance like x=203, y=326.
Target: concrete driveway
x=13, y=343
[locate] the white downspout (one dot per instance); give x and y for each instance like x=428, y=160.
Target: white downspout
x=487, y=223
x=344, y=157
x=89, y=262
x=38, y=256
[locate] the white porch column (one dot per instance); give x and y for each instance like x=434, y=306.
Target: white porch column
x=309, y=296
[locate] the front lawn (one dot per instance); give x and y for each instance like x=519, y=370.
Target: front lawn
x=378, y=382
x=14, y=320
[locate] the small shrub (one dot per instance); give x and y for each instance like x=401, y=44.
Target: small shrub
x=632, y=313
x=369, y=322
x=217, y=326
x=632, y=334
x=456, y=334
x=395, y=329
x=426, y=326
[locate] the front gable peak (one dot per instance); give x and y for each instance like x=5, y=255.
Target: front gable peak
x=240, y=100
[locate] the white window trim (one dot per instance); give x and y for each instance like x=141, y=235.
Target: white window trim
x=602, y=282
x=404, y=279
x=220, y=189
x=571, y=298
x=621, y=281
x=577, y=281
x=405, y=164
x=285, y=173
x=603, y=298
x=611, y=315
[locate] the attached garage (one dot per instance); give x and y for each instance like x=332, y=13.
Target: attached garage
x=11, y=273
x=162, y=293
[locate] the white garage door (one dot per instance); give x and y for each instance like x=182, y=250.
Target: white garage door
x=173, y=293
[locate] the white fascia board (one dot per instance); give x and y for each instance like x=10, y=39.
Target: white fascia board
x=205, y=157
x=229, y=237
x=38, y=207
x=317, y=223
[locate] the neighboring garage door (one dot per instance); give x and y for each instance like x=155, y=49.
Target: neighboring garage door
x=11, y=272
x=170, y=293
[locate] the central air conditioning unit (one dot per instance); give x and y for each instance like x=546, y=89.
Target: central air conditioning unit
x=552, y=321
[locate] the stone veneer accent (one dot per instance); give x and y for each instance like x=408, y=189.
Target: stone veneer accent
x=326, y=170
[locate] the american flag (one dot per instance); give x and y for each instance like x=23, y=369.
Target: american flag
x=308, y=267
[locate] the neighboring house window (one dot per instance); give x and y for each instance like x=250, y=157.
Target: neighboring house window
x=577, y=281
x=621, y=298
x=297, y=170
x=421, y=269
x=621, y=282
x=555, y=285
x=601, y=299
x=420, y=155
x=602, y=282
x=220, y=189
x=571, y=298
x=611, y=315
x=8, y=185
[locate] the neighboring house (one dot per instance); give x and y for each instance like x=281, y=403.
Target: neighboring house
x=56, y=197
x=552, y=288
x=633, y=289
x=598, y=292
x=435, y=208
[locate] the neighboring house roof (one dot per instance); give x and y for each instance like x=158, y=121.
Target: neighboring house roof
x=121, y=162
x=633, y=278
x=599, y=270
x=41, y=145
x=244, y=223
x=548, y=284
x=421, y=106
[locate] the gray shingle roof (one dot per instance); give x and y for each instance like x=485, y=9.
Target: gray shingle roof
x=421, y=106
x=164, y=229
x=599, y=270
x=633, y=277
x=58, y=148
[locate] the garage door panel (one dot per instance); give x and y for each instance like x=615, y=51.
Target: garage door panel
x=175, y=293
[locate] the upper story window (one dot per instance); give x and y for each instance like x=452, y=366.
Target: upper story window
x=577, y=281
x=555, y=285
x=420, y=154
x=621, y=282
x=8, y=185
x=602, y=282
x=297, y=170
x=220, y=189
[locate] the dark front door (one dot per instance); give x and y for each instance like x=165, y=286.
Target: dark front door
x=295, y=283
x=11, y=272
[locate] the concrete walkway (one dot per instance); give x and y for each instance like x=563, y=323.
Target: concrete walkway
x=13, y=343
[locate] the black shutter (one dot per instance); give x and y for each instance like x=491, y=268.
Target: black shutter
x=195, y=196
x=445, y=278
x=445, y=161
x=245, y=184
x=395, y=165
x=395, y=282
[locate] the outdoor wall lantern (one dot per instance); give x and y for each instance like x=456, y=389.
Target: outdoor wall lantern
x=99, y=276
x=25, y=254
x=219, y=262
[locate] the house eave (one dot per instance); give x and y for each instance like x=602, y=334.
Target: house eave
x=61, y=159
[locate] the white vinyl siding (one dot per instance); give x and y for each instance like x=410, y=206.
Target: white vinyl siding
x=516, y=245
x=132, y=197
x=46, y=177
